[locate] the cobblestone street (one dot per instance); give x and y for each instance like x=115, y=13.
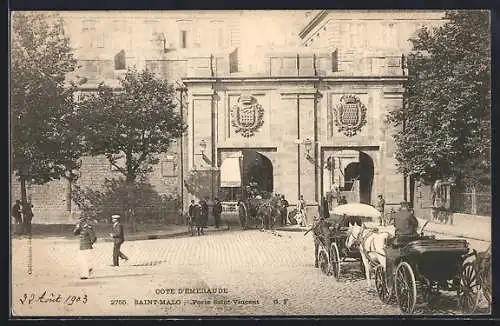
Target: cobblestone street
x=271, y=274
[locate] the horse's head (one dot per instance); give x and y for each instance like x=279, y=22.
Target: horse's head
x=354, y=232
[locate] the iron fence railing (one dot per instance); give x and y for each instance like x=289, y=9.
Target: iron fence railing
x=478, y=203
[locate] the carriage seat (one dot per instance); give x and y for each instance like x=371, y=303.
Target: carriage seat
x=400, y=241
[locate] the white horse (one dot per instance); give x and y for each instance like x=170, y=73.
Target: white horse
x=371, y=244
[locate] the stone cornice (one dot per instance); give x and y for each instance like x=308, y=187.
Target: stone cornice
x=271, y=79
x=315, y=21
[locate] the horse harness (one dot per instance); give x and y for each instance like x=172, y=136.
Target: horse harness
x=361, y=238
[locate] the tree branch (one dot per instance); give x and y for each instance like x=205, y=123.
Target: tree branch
x=119, y=168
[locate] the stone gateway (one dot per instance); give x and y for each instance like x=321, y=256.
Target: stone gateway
x=306, y=118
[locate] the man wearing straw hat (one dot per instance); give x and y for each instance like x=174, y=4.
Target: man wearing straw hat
x=87, y=239
x=118, y=239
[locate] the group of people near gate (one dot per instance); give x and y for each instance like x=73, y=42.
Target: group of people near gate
x=87, y=236
x=23, y=215
x=198, y=215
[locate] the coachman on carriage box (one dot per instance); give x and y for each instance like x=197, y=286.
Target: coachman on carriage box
x=406, y=226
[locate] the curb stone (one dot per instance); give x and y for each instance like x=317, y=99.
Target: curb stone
x=153, y=236
x=292, y=229
x=132, y=237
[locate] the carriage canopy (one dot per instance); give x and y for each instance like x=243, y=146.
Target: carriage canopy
x=357, y=209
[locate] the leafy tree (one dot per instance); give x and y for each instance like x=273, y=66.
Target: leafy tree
x=133, y=124
x=111, y=198
x=446, y=115
x=44, y=139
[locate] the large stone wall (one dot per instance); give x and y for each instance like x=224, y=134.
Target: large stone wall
x=50, y=200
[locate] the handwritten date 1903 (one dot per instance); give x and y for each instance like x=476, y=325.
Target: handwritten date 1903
x=46, y=297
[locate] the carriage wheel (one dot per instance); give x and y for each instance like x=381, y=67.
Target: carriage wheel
x=406, y=288
x=381, y=285
x=335, y=260
x=468, y=289
x=323, y=262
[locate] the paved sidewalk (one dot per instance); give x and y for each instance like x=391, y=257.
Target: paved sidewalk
x=165, y=232
x=477, y=232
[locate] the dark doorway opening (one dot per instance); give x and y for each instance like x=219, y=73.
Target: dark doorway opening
x=351, y=174
x=365, y=178
x=257, y=168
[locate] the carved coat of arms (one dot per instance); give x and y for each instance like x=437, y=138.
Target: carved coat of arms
x=247, y=115
x=349, y=115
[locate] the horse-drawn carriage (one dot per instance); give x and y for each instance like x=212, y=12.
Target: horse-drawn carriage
x=421, y=267
x=332, y=249
x=425, y=266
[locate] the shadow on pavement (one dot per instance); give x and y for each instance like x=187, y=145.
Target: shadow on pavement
x=351, y=271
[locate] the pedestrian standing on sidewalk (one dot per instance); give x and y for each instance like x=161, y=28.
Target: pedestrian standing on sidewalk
x=204, y=213
x=381, y=208
x=118, y=239
x=198, y=218
x=302, y=209
x=16, y=214
x=217, y=211
x=87, y=239
x=284, y=210
x=191, y=222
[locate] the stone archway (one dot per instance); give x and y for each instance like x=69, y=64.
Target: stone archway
x=256, y=167
x=349, y=173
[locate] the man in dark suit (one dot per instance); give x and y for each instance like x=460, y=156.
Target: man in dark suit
x=217, y=211
x=191, y=209
x=406, y=225
x=118, y=239
x=16, y=214
x=191, y=220
x=284, y=210
x=204, y=213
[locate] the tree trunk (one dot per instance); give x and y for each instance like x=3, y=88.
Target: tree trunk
x=130, y=205
x=68, y=194
x=130, y=179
